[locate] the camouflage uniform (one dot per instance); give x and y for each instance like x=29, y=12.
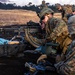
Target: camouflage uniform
x=56, y=31
x=67, y=66
x=66, y=11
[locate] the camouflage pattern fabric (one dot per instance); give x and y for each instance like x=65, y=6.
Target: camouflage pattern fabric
x=57, y=31
x=68, y=9
x=56, y=28
x=67, y=67
x=65, y=11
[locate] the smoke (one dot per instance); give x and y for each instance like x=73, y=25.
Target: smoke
x=4, y=0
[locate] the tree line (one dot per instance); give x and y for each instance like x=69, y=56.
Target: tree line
x=26, y=7
x=30, y=6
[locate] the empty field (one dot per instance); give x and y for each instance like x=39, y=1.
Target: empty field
x=19, y=17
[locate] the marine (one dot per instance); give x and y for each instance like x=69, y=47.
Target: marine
x=56, y=33
x=67, y=66
x=66, y=11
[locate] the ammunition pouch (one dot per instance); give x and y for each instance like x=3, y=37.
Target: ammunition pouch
x=65, y=19
x=64, y=41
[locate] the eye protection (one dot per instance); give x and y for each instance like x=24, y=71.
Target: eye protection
x=43, y=17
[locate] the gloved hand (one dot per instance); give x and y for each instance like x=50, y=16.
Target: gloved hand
x=41, y=58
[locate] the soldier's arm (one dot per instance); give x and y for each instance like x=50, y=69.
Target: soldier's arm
x=58, y=30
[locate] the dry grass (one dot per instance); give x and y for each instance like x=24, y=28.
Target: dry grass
x=12, y=17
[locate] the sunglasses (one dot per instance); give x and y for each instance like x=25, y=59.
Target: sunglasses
x=43, y=17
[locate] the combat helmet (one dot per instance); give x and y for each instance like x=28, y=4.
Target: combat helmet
x=44, y=11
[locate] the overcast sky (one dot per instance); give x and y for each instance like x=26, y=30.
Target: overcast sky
x=38, y=2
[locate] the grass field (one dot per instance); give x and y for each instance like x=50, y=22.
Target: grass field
x=11, y=17
x=19, y=17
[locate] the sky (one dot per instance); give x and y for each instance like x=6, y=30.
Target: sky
x=38, y=2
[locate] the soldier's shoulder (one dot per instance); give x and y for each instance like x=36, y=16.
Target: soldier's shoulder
x=54, y=20
x=57, y=20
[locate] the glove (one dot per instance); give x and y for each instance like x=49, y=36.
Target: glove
x=41, y=58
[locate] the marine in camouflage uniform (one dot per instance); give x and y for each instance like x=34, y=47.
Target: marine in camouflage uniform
x=56, y=32
x=67, y=66
x=66, y=11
